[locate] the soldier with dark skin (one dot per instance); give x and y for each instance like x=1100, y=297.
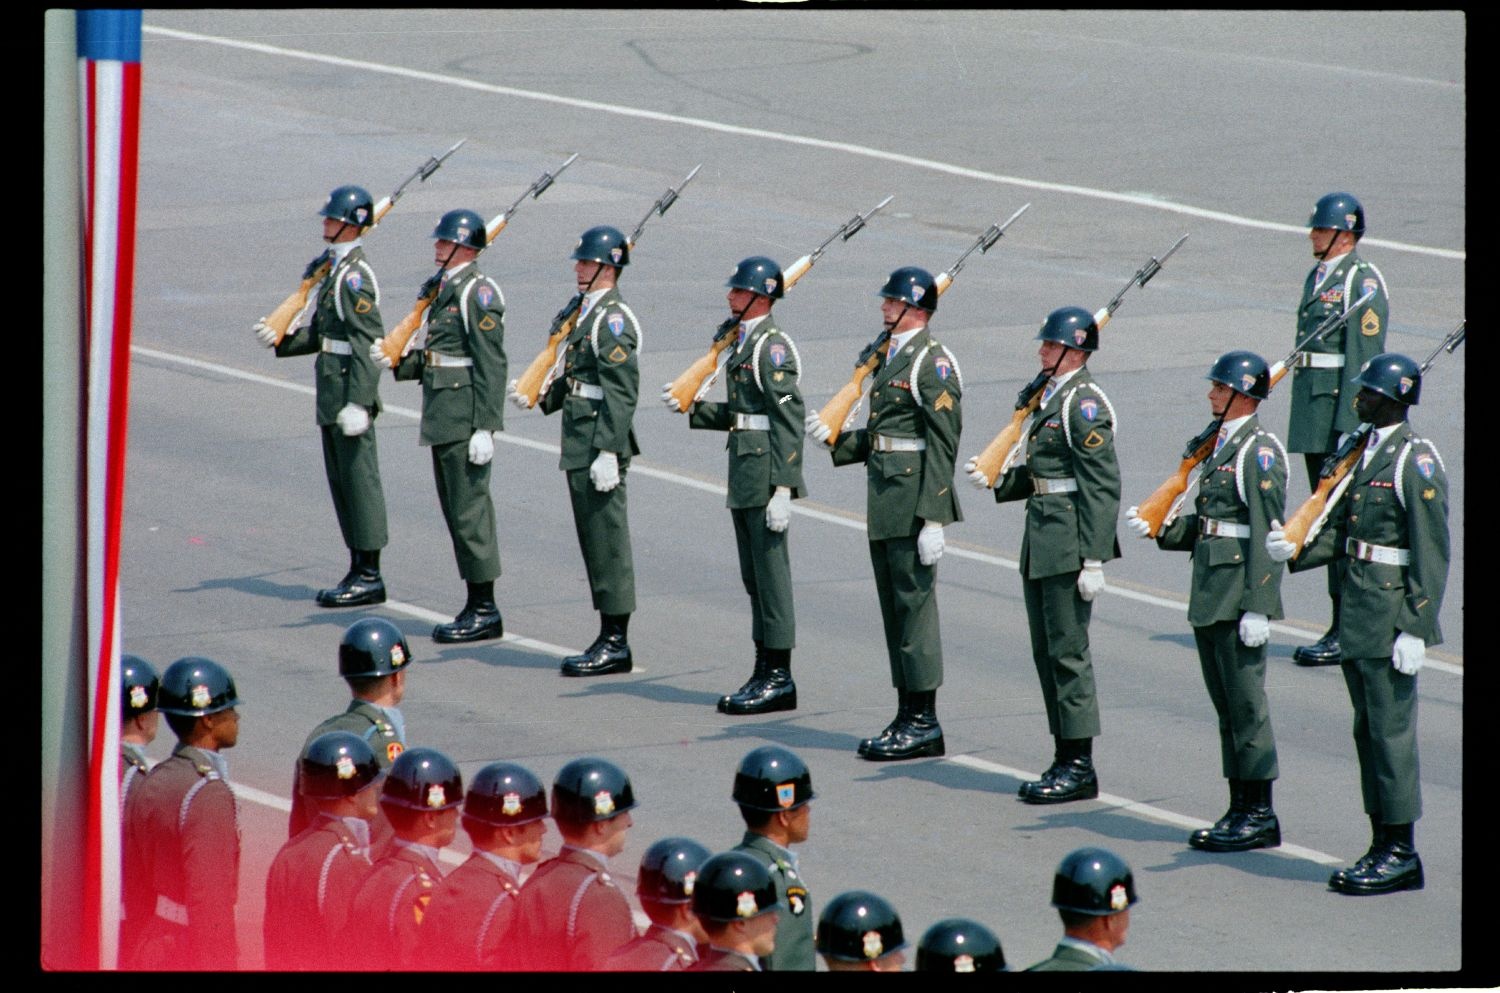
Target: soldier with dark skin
x=957, y=944
x=773, y=788
x=1236, y=593
x=342, y=320
x=468, y=922
x=1391, y=529
x=735, y=900
x=861, y=932
x=1093, y=891
x=1322, y=411
x=182, y=845
x=311, y=884
x=665, y=885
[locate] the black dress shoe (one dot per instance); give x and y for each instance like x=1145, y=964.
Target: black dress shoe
x=751, y=686
x=1074, y=780
x=610, y=657
x=1256, y=827
x=1395, y=866
x=1236, y=805
x=903, y=711
x=776, y=692
x=474, y=623
x=1045, y=779
x=918, y=736
x=1324, y=652
x=360, y=586
x=587, y=653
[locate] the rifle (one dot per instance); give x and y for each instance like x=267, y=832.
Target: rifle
x=1000, y=454
x=531, y=383
x=1162, y=506
x=844, y=404
x=280, y=319
x=698, y=378
x=394, y=343
x=1337, y=472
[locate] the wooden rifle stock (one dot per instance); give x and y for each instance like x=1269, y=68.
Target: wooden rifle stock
x=1161, y=507
x=531, y=381
x=1307, y=520
x=280, y=319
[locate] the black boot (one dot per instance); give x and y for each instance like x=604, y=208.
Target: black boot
x=362, y=585
x=478, y=621
x=1074, y=779
x=1377, y=842
x=919, y=737
x=1236, y=805
x=1326, y=651
x=903, y=712
x=1394, y=866
x=775, y=692
x=752, y=685
x=1059, y=761
x=612, y=655
x=588, y=652
x=1255, y=826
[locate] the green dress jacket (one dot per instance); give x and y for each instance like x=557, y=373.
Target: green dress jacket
x=466, y=320
x=347, y=310
x=602, y=351
x=1322, y=399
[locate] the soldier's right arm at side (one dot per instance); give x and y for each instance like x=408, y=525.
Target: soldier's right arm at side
x=1425, y=486
x=359, y=304
x=210, y=869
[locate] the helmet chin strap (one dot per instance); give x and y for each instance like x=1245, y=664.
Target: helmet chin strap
x=890, y=326
x=1219, y=414
x=339, y=233
x=598, y=268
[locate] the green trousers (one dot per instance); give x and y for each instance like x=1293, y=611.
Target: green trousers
x=1235, y=676
x=604, y=538
x=1385, y=738
x=908, y=605
x=463, y=490
x=766, y=570
x=1059, y=620
x=353, y=469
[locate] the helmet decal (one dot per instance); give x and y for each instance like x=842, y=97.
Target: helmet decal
x=200, y=697
x=436, y=796
x=398, y=657
x=138, y=698
x=511, y=804
x=872, y=945
x=604, y=804
x=744, y=904
x=1117, y=897
x=345, y=767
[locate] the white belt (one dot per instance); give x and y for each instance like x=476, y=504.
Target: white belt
x=885, y=443
x=1212, y=528
x=1318, y=360
x=589, y=390
x=440, y=361
x=335, y=346
x=170, y=910
x=1065, y=485
x=1383, y=554
x=751, y=422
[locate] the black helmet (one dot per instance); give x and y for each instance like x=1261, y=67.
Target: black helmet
x=1071, y=326
x=912, y=285
x=1093, y=881
x=733, y=886
x=195, y=686
x=772, y=778
x=139, y=684
x=337, y=764
x=959, y=945
x=1339, y=211
x=602, y=244
x=590, y=789
x=859, y=927
x=350, y=204
x=1394, y=375
x=423, y=779
x=462, y=227
x=373, y=646
x=758, y=274
x=503, y=794
x=669, y=870
x=1243, y=372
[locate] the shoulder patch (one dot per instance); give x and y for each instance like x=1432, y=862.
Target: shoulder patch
x=618, y=354
x=1094, y=440
x=1369, y=324
x=488, y=323
x=393, y=750
x=943, y=402
x=615, y=321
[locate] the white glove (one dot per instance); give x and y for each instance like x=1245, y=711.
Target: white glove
x=979, y=479
x=818, y=431
x=1255, y=629
x=930, y=543
x=481, y=448
x=1408, y=654
x=1091, y=579
x=264, y=333
x=377, y=353
x=514, y=396
x=779, y=510
x=1276, y=544
x=604, y=473
x=1141, y=528
x=353, y=420
x=668, y=399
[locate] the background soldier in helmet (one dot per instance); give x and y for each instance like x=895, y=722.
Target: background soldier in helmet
x=915, y=397
x=861, y=932
x=373, y=659
x=340, y=328
x=1070, y=480
x=139, y=720
x=311, y=883
x=764, y=417
x=1391, y=528
x=572, y=914
x=467, y=925
x=734, y=899
x=1093, y=891
x=421, y=796
x=182, y=839
x=462, y=370
x=1236, y=592
x=957, y=944
x=665, y=885
x=597, y=394
x=1321, y=407
x=773, y=788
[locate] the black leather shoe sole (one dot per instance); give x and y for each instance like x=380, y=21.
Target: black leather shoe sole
x=607, y=668
x=1059, y=794
x=352, y=596
x=1358, y=885
x=1210, y=841
x=449, y=634
x=895, y=751
x=1323, y=652
x=762, y=703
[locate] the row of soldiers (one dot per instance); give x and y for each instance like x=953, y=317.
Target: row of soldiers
x=359, y=885
x=1386, y=542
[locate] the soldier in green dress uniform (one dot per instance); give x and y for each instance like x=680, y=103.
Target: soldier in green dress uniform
x=343, y=319
x=1322, y=410
x=1391, y=529
x=908, y=448
x=1236, y=593
x=1093, y=891
x=773, y=788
